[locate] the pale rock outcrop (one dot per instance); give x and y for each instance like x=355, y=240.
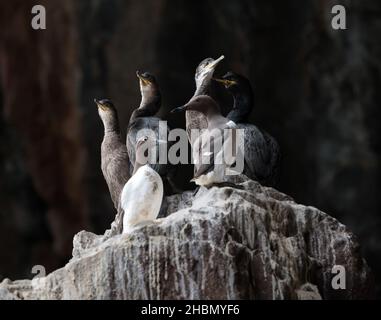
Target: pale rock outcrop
x=221, y=243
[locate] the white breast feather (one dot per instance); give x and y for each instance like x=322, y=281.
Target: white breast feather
x=141, y=198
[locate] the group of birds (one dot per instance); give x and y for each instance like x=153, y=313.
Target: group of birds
x=137, y=186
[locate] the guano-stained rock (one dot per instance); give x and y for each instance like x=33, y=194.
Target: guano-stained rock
x=222, y=243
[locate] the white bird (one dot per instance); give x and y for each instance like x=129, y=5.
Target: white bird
x=142, y=195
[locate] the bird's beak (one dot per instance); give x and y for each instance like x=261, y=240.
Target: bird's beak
x=225, y=82
x=99, y=104
x=179, y=109
x=141, y=78
x=214, y=64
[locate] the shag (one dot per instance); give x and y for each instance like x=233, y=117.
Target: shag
x=210, y=163
x=203, y=78
x=142, y=195
x=144, y=122
x=262, y=152
x=114, y=156
x=143, y=117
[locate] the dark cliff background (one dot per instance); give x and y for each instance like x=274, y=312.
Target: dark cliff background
x=318, y=91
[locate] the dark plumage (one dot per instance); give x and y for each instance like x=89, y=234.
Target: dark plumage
x=114, y=156
x=241, y=90
x=144, y=116
x=144, y=123
x=262, y=152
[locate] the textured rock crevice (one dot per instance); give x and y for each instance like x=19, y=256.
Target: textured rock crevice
x=222, y=243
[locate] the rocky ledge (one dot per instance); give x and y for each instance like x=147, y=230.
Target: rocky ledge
x=221, y=243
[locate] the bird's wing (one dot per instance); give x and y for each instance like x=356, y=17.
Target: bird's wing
x=130, y=144
x=115, y=168
x=275, y=160
x=194, y=120
x=136, y=129
x=205, y=156
x=260, y=150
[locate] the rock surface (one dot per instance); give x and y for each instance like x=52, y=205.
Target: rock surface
x=222, y=243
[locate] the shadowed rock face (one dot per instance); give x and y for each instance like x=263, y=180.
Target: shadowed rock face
x=223, y=243
x=38, y=79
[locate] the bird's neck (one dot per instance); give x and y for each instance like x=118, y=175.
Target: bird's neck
x=202, y=87
x=111, y=124
x=151, y=101
x=213, y=117
x=243, y=104
x=149, y=106
x=137, y=166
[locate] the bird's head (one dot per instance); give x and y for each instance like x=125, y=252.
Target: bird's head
x=234, y=82
x=105, y=107
x=147, y=82
x=204, y=104
x=108, y=114
x=206, y=69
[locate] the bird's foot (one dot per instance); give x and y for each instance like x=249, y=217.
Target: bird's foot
x=226, y=184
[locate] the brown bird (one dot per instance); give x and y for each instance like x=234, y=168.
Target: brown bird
x=212, y=162
x=203, y=78
x=114, y=156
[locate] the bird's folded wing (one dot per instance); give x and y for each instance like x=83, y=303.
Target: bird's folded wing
x=205, y=155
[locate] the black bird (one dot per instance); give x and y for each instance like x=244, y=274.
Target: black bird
x=262, y=152
x=114, y=156
x=240, y=88
x=143, y=122
x=203, y=78
x=143, y=118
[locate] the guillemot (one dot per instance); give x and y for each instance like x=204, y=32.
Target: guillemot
x=209, y=149
x=143, y=122
x=203, y=78
x=142, y=195
x=262, y=152
x=114, y=156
